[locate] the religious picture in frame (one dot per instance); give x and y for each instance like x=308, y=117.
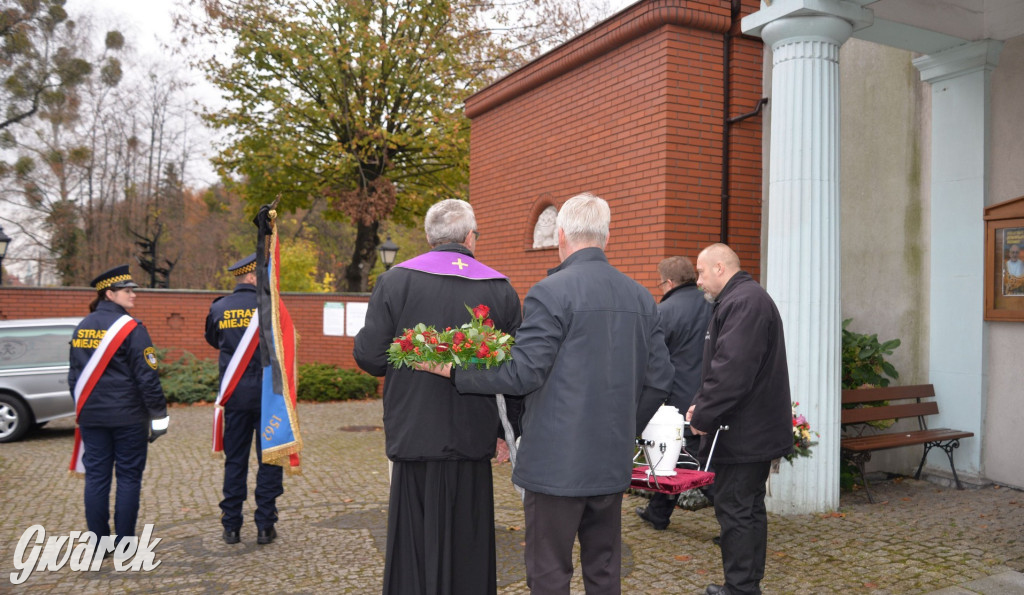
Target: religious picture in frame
x=1004, y=261
x=1013, y=267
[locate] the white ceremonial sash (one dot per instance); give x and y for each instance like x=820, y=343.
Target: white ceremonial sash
x=91, y=374
x=232, y=374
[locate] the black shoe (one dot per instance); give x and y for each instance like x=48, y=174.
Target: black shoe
x=716, y=590
x=642, y=513
x=231, y=536
x=266, y=536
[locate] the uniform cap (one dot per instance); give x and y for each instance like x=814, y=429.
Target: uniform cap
x=116, y=278
x=246, y=265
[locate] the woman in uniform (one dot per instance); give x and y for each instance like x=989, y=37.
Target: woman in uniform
x=119, y=402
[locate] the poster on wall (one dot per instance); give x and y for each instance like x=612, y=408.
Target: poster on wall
x=334, y=319
x=355, y=317
x=1013, y=266
x=1004, y=269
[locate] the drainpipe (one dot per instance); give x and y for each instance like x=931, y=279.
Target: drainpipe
x=727, y=127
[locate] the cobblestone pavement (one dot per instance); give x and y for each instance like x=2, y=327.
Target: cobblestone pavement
x=919, y=538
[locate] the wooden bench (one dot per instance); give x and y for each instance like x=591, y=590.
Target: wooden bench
x=858, y=448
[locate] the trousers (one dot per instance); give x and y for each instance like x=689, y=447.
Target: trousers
x=239, y=428
x=122, y=448
x=743, y=518
x=552, y=525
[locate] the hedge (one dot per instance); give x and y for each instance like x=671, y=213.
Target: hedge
x=191, y=380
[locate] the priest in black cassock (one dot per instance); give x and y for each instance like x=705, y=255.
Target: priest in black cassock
x=441, y=512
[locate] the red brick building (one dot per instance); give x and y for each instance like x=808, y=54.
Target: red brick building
x=635, y=111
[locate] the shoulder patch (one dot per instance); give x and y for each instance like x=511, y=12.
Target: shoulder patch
x=150, y=355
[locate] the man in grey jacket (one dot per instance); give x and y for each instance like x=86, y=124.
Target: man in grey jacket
x=591, y=360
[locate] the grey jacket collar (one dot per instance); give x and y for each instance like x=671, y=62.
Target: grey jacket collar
x=581, y=255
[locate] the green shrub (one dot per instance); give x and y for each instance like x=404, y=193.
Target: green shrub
x=190, y=379
x=864, y=359
x=864, y=364
x=324, y=382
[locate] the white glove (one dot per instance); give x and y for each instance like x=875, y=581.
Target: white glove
x=158, y=427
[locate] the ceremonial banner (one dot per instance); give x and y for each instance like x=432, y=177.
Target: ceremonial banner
x=94, y=368
x=232, y=374
x=279, y=421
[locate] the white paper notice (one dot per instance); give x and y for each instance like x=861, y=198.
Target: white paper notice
x=334, y=319
x=355, y=317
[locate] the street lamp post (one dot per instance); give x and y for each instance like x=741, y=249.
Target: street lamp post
x=388, y=251
x=4, y=241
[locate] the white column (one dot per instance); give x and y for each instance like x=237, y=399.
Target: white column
x=803, y=250
x=957, y=340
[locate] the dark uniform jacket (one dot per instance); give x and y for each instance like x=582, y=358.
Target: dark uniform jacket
x=225, y=324
x=684, y=315
x=589, y=355
x=425, y=418
x=129, y=390
x=744, y=377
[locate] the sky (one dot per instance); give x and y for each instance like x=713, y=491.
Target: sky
x=149, y=21
x=149, y=33
x=146, y=22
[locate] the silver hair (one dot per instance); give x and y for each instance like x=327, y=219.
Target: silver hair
x=584, y=219
x=449, y=222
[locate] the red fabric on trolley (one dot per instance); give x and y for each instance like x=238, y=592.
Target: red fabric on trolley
x=683, y=480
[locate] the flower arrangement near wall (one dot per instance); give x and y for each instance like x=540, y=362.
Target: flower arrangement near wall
x=802, y=433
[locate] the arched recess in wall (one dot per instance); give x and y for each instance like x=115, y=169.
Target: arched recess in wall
x=541, y=233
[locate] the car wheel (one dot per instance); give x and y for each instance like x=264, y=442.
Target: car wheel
x=15, y=419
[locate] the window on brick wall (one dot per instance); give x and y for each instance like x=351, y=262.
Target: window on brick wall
x=545, y=233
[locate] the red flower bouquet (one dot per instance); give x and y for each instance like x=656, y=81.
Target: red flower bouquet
x=476, y=342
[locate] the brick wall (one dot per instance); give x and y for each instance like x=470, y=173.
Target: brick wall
x=632, y=110
x=176, y=319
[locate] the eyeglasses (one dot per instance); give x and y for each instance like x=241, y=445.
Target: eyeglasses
x=663, y=281
x=476, y=235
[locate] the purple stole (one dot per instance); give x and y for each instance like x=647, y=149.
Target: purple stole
x=452, y=264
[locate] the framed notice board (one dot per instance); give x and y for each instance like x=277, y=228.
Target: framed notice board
x=1004, y=261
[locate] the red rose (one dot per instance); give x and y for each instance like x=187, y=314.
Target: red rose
x=460, y=337
x=489, y=323
x=441, y=348
x=481, y=311
x=483, y=352
x=405, y=344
